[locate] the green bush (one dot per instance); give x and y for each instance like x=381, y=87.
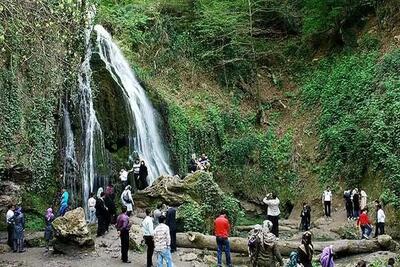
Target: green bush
x=192, y=217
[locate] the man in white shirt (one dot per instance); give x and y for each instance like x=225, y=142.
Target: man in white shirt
x=162, y=242
x=273, y=212
x=10, y=226
x=148, y=232
x=380, y=221
x=327, y=201
x=123, y=175
x=364, y=196
x=92, y=209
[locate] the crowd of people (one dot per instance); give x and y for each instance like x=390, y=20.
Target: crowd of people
x=140, y=173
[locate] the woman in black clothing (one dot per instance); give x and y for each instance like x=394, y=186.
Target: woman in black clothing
x=306, y=250
x=143, y=172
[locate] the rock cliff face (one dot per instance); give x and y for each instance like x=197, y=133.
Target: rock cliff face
x=72, y=233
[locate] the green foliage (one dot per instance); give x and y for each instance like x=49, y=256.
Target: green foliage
x=41, y=46
x=34, y=222
x=192, y=217
x=359, y=100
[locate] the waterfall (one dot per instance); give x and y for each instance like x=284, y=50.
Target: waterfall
x=144, y=132
x=70, y=163
x=94, y=156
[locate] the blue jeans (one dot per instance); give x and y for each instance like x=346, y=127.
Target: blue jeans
x=366, y=230
x=223, y=244
x=164, y=255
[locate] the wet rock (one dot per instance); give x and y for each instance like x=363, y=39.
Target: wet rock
x=71, y=233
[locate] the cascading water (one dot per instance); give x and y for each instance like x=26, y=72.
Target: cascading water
x=143, y=123
x=93, y=144
x=70, y=164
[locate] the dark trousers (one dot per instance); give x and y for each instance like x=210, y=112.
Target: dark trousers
x=379, y=229
x=148, y=240
x=173, y=240
x=275, y=224
x=101, y=225
x=10, y=231
x=124, y=235
x=349, y=209
x=327, y=205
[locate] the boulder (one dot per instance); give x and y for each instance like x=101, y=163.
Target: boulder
x=189, y=257
x=135, y=238
x=166, y=189
x=72, y=233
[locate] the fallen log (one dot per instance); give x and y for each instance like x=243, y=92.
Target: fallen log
x=341, y=247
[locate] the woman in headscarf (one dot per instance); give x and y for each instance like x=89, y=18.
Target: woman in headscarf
x=266, y=252
x=99, y=191
x=48, y=230
x=19, y=226
x=143, y=172
x=126, y=199
x=306, y=250
x=326, y=258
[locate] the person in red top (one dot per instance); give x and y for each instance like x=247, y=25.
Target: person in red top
x=365, y=224
x=221, y=231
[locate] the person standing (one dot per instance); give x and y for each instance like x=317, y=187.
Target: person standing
x=171, y=222
x=265, y=250
x=136, y=170
x=156, y=214
x=48, y=230
x=306, y=250
x=363, y=197
x=380, y=225
x=102, y=214
x=356, y=203
x=365, y=224
x=123, y=226
x=110, y=192
x=148, y=233
x=10, y=226
x=63, y=202
x=143, y=173
x=123, y=176
x=162, y=241
x=19, y=228
x=112, y=210
x=221, y=231
x=193, y=164
x=326, y=258
x=127, y=200
x=273, y=212
x=305, y=217
x=348, y=204
x=92, y=209
x=327, y=201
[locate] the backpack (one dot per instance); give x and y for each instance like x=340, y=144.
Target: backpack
x=293, y=259
x=126, y=198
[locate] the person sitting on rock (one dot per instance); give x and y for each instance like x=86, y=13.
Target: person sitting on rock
x=306, y=250
x=127, y=200
x=48, y=230
x=266, y=252
x=204, y=162
x=365, y=224
x=123, y=226
x=193, y=164
x=18, y=221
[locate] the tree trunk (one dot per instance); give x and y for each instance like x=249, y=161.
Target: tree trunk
x=239, y=244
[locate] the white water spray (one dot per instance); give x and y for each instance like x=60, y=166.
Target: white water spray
x=144, y=131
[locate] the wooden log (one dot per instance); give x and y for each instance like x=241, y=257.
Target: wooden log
x=238, y=244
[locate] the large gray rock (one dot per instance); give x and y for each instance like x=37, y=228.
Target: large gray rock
x=72, y=233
